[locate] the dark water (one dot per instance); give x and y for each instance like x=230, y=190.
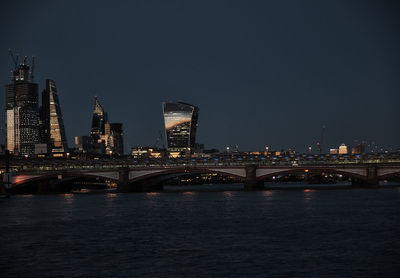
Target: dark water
x=276, y=233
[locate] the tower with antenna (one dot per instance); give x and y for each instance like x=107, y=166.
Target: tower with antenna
x=22, y=108
x=321, y=140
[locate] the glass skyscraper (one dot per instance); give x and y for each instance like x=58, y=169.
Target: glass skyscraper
x=98, y=121
x=180, y=121
x=22, y=112
x=53, y=131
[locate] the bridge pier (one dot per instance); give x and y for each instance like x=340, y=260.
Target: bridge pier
x=251, y=182
x=123, y=180
x=372, y=178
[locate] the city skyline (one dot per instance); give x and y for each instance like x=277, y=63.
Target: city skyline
x=256, y=88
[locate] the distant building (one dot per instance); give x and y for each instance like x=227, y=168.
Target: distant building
x=52, y=123
x=343, y=149
x=333, y=151
x=105, y=137
x=84, y=144
x=113, y=138
x=22, y=112
x=359, y=149
x=180, y=121
x=98, y=121
x=41, y=149
x=147, y=152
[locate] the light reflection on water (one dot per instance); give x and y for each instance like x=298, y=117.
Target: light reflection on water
x=68, y=198
x=25, y=196
x=195, y=233
x=229, y=195
x=111, y=195
x=268, y=193
x=308, y=195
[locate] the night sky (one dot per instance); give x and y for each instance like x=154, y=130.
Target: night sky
x=263, y=73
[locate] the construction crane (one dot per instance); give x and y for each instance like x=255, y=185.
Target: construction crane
x=32, y=68
x=159, y=140
x=14, y=59
x=319, y=143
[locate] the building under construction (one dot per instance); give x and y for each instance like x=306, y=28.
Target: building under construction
x=22, y=110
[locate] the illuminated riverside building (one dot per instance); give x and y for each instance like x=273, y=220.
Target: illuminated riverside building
x=180, y=121
x=22, y=111
x=52, y=130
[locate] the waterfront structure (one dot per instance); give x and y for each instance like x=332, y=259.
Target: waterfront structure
x=149, y=177
x=98, y=121
x=52, y=124
x=180, y=121
x=343, y=149
x=22, y=111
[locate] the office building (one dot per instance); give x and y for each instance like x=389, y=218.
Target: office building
x=113, y=138
x=343, y=149
x=359, y=149
x=98, y=121
x=180, y=121
x=52, y=124
x=22, y=111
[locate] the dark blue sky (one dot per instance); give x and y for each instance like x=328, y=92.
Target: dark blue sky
x=264, y=73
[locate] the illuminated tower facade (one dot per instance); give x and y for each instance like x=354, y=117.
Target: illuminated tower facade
x=98, y=121
x=22, y=111
x=113, y=139
x=52, y=130
x=180, y=121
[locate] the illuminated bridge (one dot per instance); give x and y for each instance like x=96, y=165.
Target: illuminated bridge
x=139, y=177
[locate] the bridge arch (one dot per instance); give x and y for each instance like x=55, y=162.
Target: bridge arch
x=23, y=179
x=168, y=173
x=311, y=170
x=389, y=175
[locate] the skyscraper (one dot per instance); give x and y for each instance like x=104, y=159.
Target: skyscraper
x=22, y=111
x=52, y=131
x=98, y=121
x=180, y=121
x=113, y=138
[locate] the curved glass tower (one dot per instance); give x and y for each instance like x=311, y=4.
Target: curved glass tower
x=180, y=121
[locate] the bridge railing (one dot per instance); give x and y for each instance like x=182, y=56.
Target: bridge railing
x=44, y=166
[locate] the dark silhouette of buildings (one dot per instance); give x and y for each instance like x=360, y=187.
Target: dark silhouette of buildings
x=180, y=121
x=22, y=111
